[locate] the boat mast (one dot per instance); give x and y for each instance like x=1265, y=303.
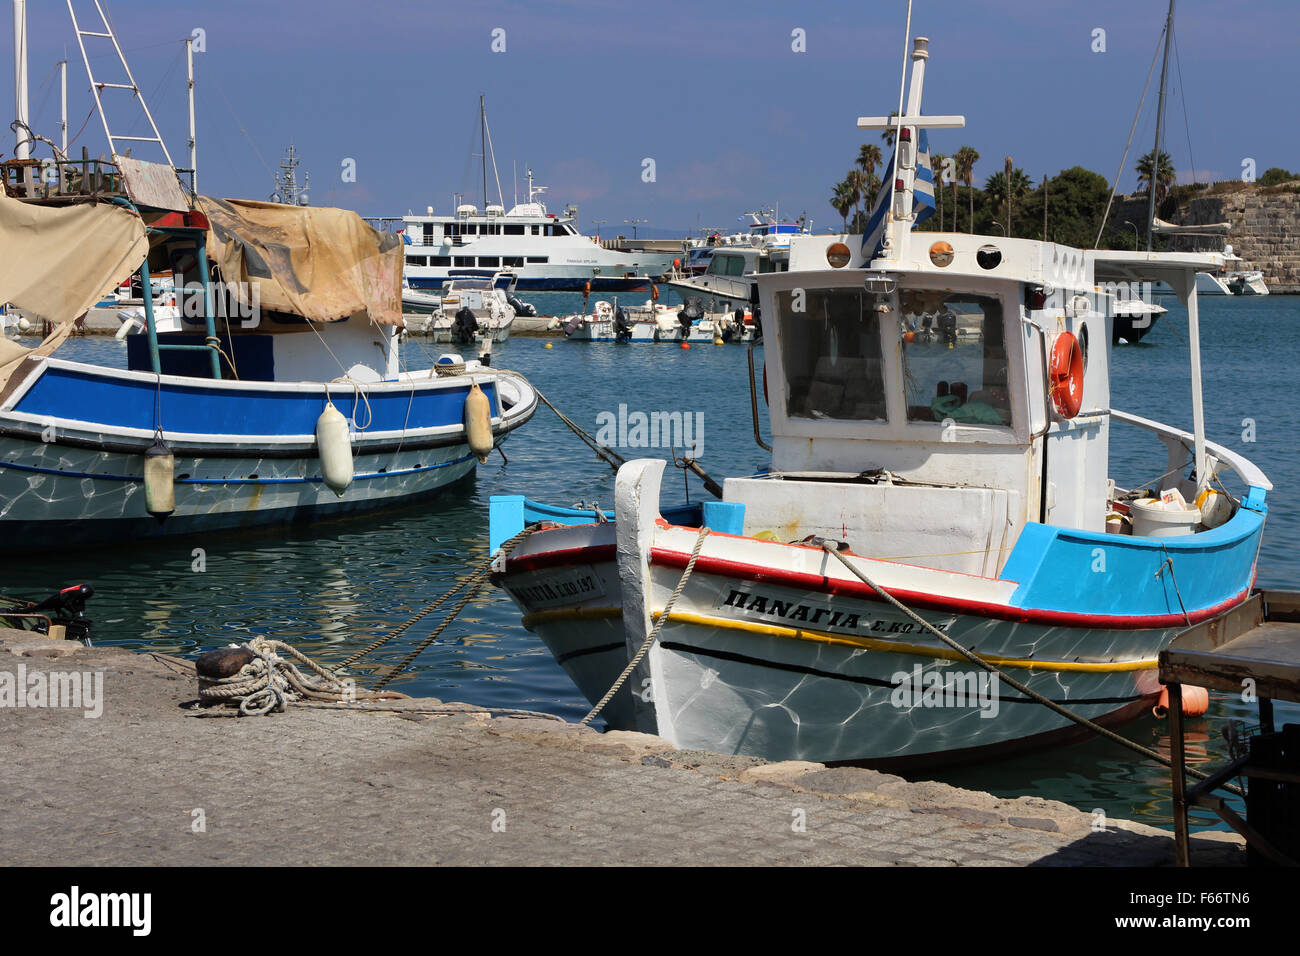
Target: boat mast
x=22, y=141
x=1160, y=126
x=482, y=141
x=189, y=76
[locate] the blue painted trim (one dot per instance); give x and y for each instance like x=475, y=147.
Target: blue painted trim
x=1084, y=572
x=510, y=514
x=204, y=407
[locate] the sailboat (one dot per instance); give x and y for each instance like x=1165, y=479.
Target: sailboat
x=932, y=496
x=282, y=397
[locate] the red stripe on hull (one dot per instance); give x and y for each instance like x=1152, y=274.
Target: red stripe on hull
x=918, y=599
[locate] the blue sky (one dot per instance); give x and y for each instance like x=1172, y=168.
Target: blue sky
x=713, y=92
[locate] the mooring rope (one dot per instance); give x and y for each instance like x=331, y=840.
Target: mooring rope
x=974, y=658
x=269, y=681
x=654, y=632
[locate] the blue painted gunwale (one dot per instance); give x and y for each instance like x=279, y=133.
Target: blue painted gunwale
x=116, y=402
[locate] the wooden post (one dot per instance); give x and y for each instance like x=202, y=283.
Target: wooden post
x=1178, y=772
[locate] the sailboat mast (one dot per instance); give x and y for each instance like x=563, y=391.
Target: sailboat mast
x=1160, y=126
x=22, y=146
x=482, y=140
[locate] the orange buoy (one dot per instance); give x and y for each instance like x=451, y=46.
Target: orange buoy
x=654, y=292
x=909, y=337
x=677, y=263
x=686, y=345
x=1196, y=701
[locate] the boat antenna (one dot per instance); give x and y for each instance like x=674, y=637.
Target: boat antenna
x=898, y=126
x=1160, y=126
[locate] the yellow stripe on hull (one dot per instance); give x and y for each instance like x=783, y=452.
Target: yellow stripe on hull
x=895, y=647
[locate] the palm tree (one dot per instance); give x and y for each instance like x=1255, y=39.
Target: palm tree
x=936, y=165
x=1164, y=177
x=967, y=157
x=842, y=201
x=1003, y=188
x=888, y=133
x=869, y=159
x=858, y=183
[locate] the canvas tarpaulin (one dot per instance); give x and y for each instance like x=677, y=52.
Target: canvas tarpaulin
x=58, y=261
x=320, y=263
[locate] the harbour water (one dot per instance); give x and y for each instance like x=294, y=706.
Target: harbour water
x=332, y=588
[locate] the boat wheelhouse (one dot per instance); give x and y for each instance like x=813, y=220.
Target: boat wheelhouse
x=940, y=417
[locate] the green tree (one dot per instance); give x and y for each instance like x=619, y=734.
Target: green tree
x=1164, y=175
x=869, y=159
x=889, y=133
x=1003, y=190
x=967, y=157
x=859, y=183
x=936, y=167
x=1077, y=199
x=1276, y=175
x=842, y=201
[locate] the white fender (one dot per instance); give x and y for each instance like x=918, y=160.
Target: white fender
x=478, y=423
x=334, y=446
x=159, y=480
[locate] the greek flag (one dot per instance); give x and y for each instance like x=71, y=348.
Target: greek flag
x=873, y=237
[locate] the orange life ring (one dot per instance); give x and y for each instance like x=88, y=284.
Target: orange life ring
x=654, y=292
x=1065, y=375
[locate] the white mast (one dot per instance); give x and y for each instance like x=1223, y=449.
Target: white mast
x=22, y=144
x=63, y=107
x=189, y=76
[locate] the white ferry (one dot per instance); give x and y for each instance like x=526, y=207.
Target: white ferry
x=546, y=252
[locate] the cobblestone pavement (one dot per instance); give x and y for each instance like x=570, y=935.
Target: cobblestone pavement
x=150, y=783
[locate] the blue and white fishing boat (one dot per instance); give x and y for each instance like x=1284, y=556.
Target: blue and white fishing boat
x=940, y=417
x=283, y=397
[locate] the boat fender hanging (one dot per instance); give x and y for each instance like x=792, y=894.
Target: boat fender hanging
x=478, y=423
x=159, y=479
x=334, y=446
x=1196, y=701
x=654, y=292
x=1065, y=375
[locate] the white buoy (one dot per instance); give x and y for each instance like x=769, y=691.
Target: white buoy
x=159, y=480
x=334, y=446
x=478, y=423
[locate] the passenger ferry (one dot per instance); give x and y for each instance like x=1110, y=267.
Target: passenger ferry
x=546, y=251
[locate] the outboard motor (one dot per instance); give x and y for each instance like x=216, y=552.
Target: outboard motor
x=622, y=326
x=465, y=327
x=520, y=306
x=691, y=312
x=66, y=607
x=948, y=327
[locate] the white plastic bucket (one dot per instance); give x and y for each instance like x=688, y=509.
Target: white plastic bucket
x=1151, y=520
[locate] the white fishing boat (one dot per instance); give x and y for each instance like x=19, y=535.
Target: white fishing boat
x=927, y=499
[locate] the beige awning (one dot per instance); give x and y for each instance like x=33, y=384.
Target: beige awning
x=56, y=261
x=320, y=263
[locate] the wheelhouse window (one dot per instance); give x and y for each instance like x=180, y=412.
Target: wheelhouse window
x=830, y=352
x=954, y=357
